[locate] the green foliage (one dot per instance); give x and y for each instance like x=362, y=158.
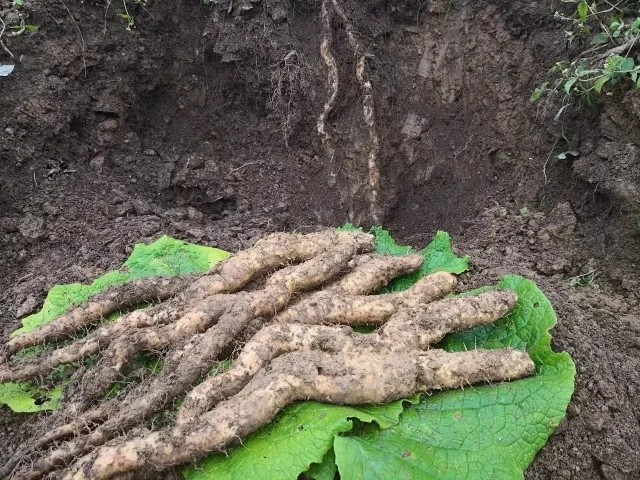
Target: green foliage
x=127, y=16
x=17, y=26
x=610, y=35
x=17, y=30
x=301, y=435
x=581, y=79
x=164, y=257
x=129, y=20
x=583, y=11
x=26, y=398
x=325, y=470
x=539, y=91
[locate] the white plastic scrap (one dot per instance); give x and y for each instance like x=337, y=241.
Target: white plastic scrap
x=5, y=70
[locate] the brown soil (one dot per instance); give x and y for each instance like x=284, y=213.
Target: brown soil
x=110, y=137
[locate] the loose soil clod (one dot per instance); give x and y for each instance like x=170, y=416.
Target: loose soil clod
x=307, y=351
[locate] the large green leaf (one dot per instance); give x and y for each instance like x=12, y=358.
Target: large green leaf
x=480, y=432
x=164, y=257
x=325, y=470
x=26, y=398
x=301, y=435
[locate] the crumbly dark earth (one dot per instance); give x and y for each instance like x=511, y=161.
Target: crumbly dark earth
x=110, y=137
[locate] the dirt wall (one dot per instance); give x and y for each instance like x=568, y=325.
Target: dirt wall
x=110, y=137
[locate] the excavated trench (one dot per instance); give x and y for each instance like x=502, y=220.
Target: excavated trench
x=202, y=123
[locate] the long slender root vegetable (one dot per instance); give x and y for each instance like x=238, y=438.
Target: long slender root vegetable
x=354, y=310
x=372, y=272
x=193, y=360
x=409, y=329
x=99, y=339
x=327, y=9
x=306, y=294
x=118, y=298
x=336, y=378
x=333, y=77
x=268, y=254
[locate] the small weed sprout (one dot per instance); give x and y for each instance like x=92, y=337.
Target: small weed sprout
x=127, y=17
x=130, y=21
x=13, y=24
x=583, y=280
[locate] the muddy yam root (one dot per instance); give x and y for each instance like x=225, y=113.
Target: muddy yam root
x=268, y=254
x=327, y=10
x=118, y=298
x=333, y=378
x=283, y=311
x=355, y=310
x=410, y=329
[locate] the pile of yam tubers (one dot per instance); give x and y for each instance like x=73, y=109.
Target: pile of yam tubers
x=284, y=312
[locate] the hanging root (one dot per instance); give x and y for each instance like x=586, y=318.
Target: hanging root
x=310, y=290
x=368, y=104
x=288, y=84
x=368, y=111
x=374, y=150
x=332, y=74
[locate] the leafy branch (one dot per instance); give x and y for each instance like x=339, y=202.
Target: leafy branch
x=611, y=37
